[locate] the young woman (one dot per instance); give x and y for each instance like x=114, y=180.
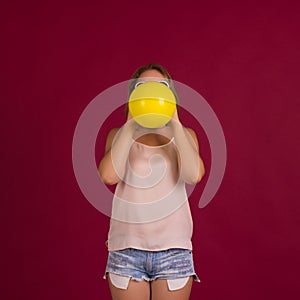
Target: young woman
x=149, y=241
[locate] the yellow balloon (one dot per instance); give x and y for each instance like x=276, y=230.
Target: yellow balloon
x=152, y=104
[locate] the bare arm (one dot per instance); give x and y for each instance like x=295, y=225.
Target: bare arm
x=118, y=143
x=190, y=163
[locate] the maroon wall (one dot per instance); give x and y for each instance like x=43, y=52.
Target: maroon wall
x=242, y=56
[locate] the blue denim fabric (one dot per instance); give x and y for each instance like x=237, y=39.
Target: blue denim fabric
x=149, y=265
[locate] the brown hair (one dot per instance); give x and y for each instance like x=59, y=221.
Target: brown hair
x=152, y=66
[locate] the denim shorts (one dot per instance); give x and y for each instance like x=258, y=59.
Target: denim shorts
x=175, y=265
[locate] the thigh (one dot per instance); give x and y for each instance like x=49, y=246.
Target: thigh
x=137, y=290
x=160, y=291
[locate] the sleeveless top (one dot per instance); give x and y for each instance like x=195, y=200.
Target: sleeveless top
x=150, y=206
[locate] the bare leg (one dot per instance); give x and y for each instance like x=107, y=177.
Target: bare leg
x=160, y=291
x=137, y=290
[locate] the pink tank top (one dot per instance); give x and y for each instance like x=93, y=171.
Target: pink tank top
x=150, y=206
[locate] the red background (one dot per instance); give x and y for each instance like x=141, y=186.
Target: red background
x=242, y=56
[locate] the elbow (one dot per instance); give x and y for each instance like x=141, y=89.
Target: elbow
x=189, y=179
x=193, y=180
x=201, y=171
x=197, y=177
x=109, y=178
